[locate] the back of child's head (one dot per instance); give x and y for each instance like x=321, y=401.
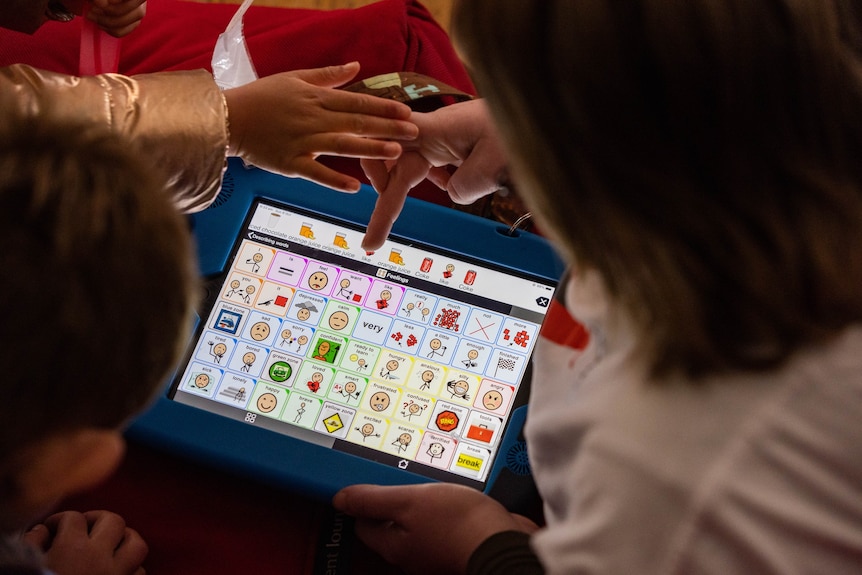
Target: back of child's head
x=702, y=156
x=97, y=287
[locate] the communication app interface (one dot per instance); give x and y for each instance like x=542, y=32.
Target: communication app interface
x=409, y=357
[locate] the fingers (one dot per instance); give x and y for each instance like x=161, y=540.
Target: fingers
x=525, y=524
x=377, y=172
x=68, y=521
x=481, y=173
x=95, y=543
x=320, y=174
x=339, y=144
x=440, y=177
x=328, y=76
x=109, y=529
x=132, y=549
x=375, y=502
x=411, y=169
x=282, y=122
x=109, y=532
x=117, y=17
x=105, y=526
x=387, y=539
x=341, y=101
x=413, y=526
x=362, y=115
x=102, y=526
x=118, y=8
x=370, y=125
x=371, y=106
x=38, y=536
x=362, y=148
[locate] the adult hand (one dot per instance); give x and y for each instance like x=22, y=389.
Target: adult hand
x=431, y=528
x=283, y=122
x=117, y=17
x=460, y=135
x=91, y=543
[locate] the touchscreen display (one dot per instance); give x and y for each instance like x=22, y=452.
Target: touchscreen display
x=411, y=356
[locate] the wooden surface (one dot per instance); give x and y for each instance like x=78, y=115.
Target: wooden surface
x=440, y=9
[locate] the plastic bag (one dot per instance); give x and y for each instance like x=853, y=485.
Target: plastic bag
x=231, y=62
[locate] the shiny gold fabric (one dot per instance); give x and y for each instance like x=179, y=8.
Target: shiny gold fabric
x=179, y=118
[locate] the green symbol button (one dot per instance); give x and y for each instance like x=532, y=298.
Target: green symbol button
x=280, y=371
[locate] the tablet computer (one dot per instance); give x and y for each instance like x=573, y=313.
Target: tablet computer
x=316, y=365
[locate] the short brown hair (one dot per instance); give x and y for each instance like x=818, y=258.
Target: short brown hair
x=701, y=155
x=98, y=282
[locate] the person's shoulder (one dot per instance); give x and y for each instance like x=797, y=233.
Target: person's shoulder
x=673, y=473
x=788, y=466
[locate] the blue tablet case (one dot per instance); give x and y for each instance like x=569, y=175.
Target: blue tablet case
x=311, y=469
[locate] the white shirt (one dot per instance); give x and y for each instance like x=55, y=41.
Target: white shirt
x=752, y=473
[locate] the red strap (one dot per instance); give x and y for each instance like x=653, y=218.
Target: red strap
x=100, y=52
x=561, y=328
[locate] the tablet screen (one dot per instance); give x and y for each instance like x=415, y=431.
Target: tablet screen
x=412, y=356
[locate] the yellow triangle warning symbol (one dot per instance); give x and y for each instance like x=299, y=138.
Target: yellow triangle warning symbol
x=333, y=423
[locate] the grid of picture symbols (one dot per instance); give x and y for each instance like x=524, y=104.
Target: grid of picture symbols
x=361, y=359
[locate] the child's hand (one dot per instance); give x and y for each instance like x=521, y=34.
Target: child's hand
x=432, y=528
x=283, y=122
x=460, y=135
x=117, y=17
x=91, y=543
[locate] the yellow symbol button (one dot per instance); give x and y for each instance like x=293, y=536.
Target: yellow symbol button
x=333, y=423
x=468, y=462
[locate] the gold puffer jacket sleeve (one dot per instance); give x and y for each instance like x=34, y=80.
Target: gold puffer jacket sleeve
x=179, y=118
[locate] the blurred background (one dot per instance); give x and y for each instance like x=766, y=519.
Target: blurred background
x=440, y=9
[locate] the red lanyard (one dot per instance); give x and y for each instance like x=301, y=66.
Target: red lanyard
x=100, y=52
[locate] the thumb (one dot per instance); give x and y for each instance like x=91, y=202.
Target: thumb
x=482, y=173
x=329, y=76
x=440, y=177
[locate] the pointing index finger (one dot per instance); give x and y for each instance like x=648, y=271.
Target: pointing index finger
x=410, y=169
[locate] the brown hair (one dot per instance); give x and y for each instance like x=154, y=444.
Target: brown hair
x=700, y=155
x=98, y=282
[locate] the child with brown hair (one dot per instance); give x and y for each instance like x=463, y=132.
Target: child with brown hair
x=97, y=295
x=696, y=163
